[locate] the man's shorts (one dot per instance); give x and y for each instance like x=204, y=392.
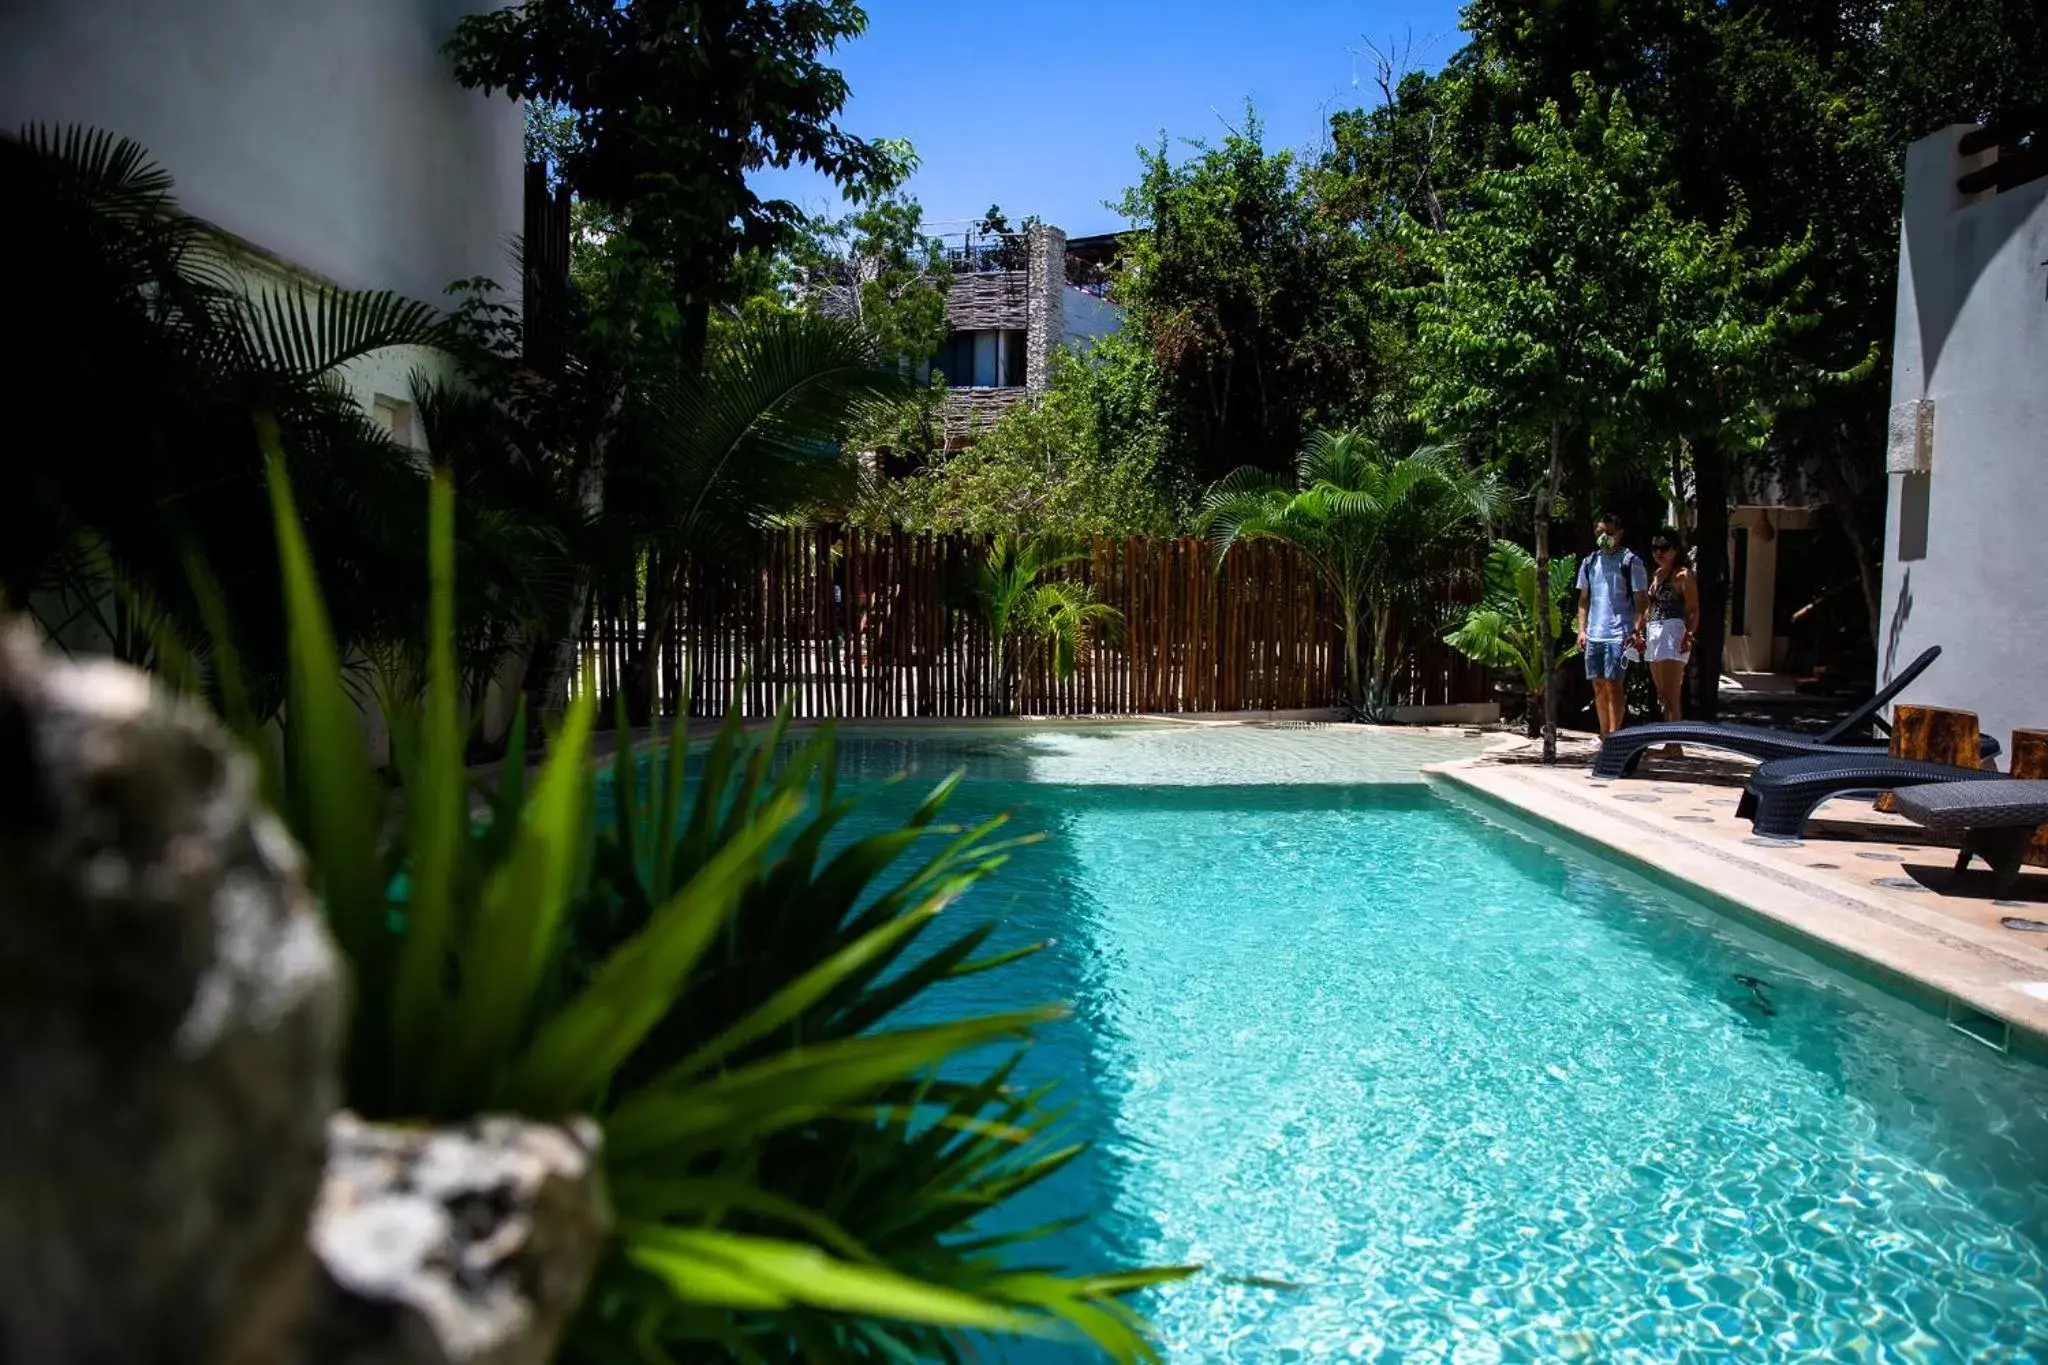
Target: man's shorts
x=1603, y=660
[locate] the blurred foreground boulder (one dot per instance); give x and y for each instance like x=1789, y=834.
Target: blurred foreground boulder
x=471, y=1244
x=171, y=1018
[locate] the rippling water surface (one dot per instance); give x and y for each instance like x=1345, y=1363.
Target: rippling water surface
x=1475, y=1098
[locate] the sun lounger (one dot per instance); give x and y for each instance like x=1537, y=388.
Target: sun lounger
x=1997, y=819
x=1622, y=750
x=1783, y=793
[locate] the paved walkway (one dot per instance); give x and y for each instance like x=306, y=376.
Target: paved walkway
x=1870, y=886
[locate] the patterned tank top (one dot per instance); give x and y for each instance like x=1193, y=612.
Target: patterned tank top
x=1667, y=599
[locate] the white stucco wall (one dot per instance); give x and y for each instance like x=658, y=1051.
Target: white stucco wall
x=1087, y=318
x=331, y=134
x=1963, y=548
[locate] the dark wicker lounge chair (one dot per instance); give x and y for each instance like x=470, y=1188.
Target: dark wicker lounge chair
x=1997, y=820
x=1622, y=750
x=1783, y=793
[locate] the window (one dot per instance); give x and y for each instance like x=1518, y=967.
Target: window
x=395, y=415
x=955, y=360
x=984, y=359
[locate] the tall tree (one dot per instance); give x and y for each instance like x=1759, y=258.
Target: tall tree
x=880, y=269
x=1250, y=299
x=674, y=102
x=654, y=112
x=1532, y=323
x=1717, y=364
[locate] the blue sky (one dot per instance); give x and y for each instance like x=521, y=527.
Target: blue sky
x=1039, y=105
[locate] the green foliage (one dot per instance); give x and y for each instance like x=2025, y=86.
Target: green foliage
x=1939, y=62
x=758, y=436
x=1717, y=363
x=1530, y=321
x=1779, y=125
x=1505, y=631
x=907, y=433
x=1084, y=458
x=877, y=268
x=1385, y=534
x=1256, y=313
x=1029, y=614
x=670, y=105
x=792, y=1178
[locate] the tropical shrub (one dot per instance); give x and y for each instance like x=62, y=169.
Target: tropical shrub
x=1504, y=630
x=1027, y=616
x=755, y=437
x=794, y=1177
x=1086, y=457
x=1387, y=535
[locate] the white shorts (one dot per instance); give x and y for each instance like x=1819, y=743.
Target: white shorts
x=1666, y=642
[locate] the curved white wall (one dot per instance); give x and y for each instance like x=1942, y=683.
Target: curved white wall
x=1963, y=565
x=1088, y=318
x=329, y=132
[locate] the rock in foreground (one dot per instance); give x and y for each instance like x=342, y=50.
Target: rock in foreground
x=440, y=1246
x=170, y=1018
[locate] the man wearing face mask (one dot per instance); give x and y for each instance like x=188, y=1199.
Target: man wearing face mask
x=1614, y=589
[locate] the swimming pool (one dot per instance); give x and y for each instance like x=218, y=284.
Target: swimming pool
x=1471, y=1095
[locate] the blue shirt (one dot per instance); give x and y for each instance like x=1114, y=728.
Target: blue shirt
x=1613, y=580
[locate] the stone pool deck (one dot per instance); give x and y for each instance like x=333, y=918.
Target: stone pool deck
x=1867, y=887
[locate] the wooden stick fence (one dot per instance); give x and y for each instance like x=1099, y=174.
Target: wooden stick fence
x=884, y=625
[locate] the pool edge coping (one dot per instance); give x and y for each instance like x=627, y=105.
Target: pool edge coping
x=1810, y=919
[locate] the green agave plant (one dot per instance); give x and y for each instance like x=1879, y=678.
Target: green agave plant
x=794, y=1178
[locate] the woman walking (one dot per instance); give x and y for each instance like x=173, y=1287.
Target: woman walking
x=1669, y=618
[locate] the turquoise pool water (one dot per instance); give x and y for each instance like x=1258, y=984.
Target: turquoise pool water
x=1474, y=1096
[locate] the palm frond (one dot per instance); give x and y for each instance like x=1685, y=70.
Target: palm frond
x=303, y=333
x=1385, y=534
x=112, y=175
x=1486, y=638
x=759, y=433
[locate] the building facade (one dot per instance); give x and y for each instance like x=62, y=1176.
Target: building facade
x=330, y=141
x=328, y=144
x=1006, y=319
x=1968, y=455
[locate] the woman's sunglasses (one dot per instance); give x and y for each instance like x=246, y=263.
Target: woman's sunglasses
x=1658, y=548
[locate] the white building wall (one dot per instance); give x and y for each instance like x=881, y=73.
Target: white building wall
x=331, y=133
x=1088, y=317
x=1963, y=542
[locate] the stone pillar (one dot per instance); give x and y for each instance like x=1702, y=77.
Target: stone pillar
x=1045, y=313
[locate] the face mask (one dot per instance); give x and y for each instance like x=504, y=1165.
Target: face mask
x=1606, y=543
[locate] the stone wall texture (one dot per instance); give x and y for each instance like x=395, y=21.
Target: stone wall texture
x=968, y=412
x=979, y=303
x=170, y=1028
x=1045, y=307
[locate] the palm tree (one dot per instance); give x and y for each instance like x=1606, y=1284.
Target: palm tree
x=1502, y=631
x=1026, y=616
x=757, y=436
x=1384, y=534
